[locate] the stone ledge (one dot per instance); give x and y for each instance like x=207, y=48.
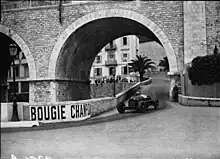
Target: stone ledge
x=198, y=101
x=57, y=79
x=19, y=124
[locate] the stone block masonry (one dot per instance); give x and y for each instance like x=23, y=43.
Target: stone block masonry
x=40, y=27
x=37, y=31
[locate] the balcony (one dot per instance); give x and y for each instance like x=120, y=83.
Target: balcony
x=111, y=47
x=111, y=62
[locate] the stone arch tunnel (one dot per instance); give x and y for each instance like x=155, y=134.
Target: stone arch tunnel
x=77, y=53
x=59, y=55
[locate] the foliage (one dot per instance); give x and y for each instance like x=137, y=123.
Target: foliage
x=164, y=63
x=140, y=64
x=205, y=70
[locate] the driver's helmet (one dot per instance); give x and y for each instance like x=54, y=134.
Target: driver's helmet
x=138, y=93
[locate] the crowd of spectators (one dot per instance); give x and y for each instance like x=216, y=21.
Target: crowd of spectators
x=118, y=79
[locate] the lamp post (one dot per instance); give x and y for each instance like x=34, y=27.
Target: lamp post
x=13, y=52
x=113, y=73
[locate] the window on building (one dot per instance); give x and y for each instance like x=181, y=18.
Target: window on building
x=9, y=73
x=98, y=59
x=111, y=56
x=24, y=86
x=111, y=70
x=125, y=41
x=124, y=70
x=130, y=69
x=26, y=71
x=98, y=71
x=10, y=91
x=124, y=57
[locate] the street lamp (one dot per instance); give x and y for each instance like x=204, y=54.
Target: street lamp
x=113, y=73
x=13, y=52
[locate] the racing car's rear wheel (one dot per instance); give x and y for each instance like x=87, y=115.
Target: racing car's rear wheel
x=121, y=107
x=141, y=107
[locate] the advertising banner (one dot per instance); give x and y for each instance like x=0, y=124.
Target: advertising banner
x=60, y=113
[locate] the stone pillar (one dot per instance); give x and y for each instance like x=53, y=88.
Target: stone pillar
x=54, y=90
x=42, y=91
x=194, y=30
x=72, y=90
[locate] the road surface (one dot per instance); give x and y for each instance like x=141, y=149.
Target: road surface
x=172, y=132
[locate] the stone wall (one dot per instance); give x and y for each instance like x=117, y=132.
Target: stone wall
x=209, y=91
x=198, y=101
x=96, y=105
x=70, y=90
x=106, y=90
x=194, y=30
x=40, y=91
x=212, y=12
x=40, y=27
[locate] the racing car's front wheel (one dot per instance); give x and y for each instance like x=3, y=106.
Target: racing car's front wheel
x=141, y=107
x=121, y=107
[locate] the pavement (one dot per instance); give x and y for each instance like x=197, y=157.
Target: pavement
x=171, y=132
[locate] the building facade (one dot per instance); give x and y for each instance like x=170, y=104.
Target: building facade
x=21, y=79
x=115, y=56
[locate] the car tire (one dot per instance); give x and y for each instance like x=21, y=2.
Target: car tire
x=141, y=107
x=121, y=107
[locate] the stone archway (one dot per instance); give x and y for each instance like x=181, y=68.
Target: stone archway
x=73, y=41
x=107, y=14
x=21, y=43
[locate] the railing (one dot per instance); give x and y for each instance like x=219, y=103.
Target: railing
x=110, y=47
x=111, y=62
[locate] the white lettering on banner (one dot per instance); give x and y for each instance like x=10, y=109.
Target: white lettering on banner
x=60, y=112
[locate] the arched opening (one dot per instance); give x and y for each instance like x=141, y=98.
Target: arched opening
x=24, y=67
x=21, y=73
x=76, y=49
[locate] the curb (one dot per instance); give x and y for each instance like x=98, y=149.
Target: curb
x=190, y=101
x=19, y=124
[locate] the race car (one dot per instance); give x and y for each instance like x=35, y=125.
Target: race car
x=140, y=102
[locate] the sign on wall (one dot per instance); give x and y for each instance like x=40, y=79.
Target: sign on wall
x=72, y=112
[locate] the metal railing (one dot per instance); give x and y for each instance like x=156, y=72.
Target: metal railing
x=111, y=62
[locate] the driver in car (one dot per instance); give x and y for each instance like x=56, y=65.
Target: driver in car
x=138, y=93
